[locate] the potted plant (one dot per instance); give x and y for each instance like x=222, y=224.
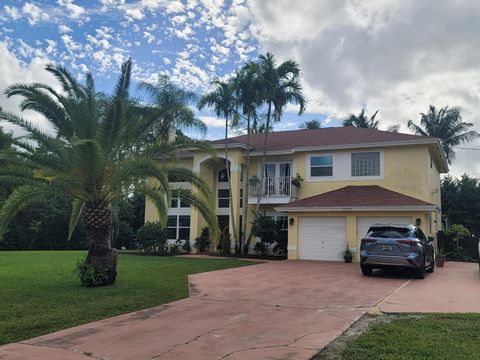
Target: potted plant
x=439, y=257
x=296, y=182
x=348, y=255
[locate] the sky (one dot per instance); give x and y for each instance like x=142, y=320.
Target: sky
x=395, y=56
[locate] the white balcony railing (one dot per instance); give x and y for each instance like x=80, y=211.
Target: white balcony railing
x=273, y=187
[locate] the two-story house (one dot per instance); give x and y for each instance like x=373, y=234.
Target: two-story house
x=352, y=178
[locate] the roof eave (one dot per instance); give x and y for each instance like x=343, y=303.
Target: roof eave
x=356, y=208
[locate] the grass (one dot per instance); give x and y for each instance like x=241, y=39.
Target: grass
x=432, y=336
x=40, y=293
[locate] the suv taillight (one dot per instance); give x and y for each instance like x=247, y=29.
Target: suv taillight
x=412, y=242
x=368, y=240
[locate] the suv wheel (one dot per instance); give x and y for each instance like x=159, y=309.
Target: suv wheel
x=431, y=269
x=420, y=273
x=366, y=270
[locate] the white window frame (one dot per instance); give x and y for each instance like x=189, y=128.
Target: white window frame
x=320, y=178
x=178, y=227
x=369, y=177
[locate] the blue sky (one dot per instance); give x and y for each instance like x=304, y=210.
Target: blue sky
x=395, y=56
x=190, y=41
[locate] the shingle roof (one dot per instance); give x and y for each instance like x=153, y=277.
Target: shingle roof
x=358, y=196
x=334, y=136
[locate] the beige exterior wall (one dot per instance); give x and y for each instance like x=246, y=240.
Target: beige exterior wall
x=351, y=217
x=406, y=170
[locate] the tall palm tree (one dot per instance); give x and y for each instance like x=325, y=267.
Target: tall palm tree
x=249, y=97
x=311, y=125
x=169, y=105
x=88, y=158
x=447, y=125
x=224, y=103
x=361, y=120
x=280, y=87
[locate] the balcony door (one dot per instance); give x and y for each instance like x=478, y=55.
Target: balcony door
x=277, y=179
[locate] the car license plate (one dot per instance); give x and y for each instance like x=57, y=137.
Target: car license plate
x=387, y=248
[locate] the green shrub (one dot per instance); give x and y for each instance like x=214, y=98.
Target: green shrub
x=187, y=247
x=261, y=247
x=151, y=237
x=91, y=275
x=203, y=242
x=224, y=244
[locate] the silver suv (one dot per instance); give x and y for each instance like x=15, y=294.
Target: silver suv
x=389, y=246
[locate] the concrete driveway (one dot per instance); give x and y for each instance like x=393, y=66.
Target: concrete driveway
x=276, y=310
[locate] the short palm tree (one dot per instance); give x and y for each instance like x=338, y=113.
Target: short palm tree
x=222, y=100
x=362, y=120
x=447, y=125
x=311, y=125
x=88, y=158
x=169, y=104
x=280, y=86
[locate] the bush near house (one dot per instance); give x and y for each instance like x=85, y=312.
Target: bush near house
x=458, y=243
x=269, y=231
x=151, y=237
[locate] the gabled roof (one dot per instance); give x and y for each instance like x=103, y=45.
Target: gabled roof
x=284, y=142
x=366, y=198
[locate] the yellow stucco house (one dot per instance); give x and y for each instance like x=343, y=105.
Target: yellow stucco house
x=352, y=178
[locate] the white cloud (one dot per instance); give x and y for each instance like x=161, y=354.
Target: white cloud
x=63, y=29
x=74, y=11
x=212, y=121
x=12, y=12
x=34, y=13
x=148, y=36
x=166, y=61
x=12, y=70
x=396, y=56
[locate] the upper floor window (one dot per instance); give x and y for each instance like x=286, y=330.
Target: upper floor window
x=222, y=176
x=178, y=203
x=223, y=198
x=321, y=166
x=366, y=164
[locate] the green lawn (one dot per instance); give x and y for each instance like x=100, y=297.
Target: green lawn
x=432, y=336
x=40, y=293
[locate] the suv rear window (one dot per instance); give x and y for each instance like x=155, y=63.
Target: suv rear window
x=388, y=232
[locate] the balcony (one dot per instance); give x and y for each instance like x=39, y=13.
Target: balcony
x=275, y=190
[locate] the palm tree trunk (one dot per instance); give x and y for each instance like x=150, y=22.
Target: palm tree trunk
x=97, y=217
x=227, y=166
x=246, y=176
x=264, y=156
x=264, y=160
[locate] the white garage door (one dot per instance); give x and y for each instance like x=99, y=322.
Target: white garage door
x=322, y=238
x=364, y=223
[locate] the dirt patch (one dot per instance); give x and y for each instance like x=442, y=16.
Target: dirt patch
x=335, y=349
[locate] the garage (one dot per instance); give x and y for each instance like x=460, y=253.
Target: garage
x=322, y=238
x=364, y=223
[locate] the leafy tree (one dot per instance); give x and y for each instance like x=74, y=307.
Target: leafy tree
x=461, y=201
x=311, y=124
x=224, y=103
x=88, y=159
x=447, y=125
x=169, y=108
x=362, y=120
